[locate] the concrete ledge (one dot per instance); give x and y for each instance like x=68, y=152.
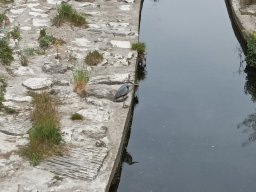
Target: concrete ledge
x=245, y=22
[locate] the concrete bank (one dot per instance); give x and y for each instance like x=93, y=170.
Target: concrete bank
x=94, y=143
x=243, y=15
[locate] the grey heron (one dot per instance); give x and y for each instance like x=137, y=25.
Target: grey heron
x=123, y=91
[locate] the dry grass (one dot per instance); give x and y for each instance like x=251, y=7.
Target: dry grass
x=45, y=135
x=93, y=58
x=76, y=116
x=81, y=77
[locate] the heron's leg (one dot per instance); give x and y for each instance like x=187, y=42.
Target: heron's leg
x=123, y=102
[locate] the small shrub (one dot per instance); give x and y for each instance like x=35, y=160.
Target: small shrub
x=81, y=77
x=93, y=58
x=66, y=13
x=139, y=47
x=5, y=52
x=45, y=40
x=251, y=50
x=45, y=135
x=15, y=33
x=76, y=116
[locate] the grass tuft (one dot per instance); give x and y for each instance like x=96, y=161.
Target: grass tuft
x=81, y=77
x=5, y=52
x=76, y=116
x=66, y=13
x=139, y=47
x=44, y=135
x=93, y=58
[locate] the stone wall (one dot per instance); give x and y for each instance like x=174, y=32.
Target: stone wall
x=247, y=2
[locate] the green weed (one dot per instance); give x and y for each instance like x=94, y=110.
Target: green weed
x=76, y=116
x=66, y=13
x=93, y=58
x=45, y=40
x=5, y=52
x=139, y=47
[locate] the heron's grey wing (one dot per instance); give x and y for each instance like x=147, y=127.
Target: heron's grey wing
x=119, y=92
x=122, y=91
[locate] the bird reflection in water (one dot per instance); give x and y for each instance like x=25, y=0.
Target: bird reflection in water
x=127, y=158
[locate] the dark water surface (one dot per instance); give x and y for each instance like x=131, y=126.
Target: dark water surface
x=185, y=132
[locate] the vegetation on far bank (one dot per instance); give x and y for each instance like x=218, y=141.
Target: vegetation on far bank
x=250, y=57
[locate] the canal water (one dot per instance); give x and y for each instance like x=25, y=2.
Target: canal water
x=194, y=127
